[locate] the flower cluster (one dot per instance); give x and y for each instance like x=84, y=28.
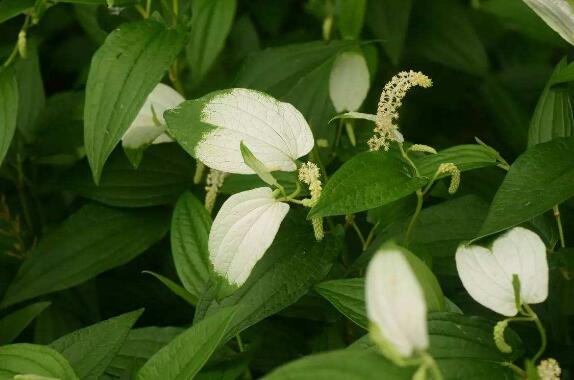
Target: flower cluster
x=214, y=182
x=548, y=369
x=452, y=170
x=309, y=174
x=390, y=101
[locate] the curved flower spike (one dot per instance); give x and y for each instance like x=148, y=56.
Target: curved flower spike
x=242, y=231
x=395, y=304
x=149, y=126
x=212, y=128
x=487, y=274
x=558, y=14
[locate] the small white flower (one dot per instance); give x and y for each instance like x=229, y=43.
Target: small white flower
x=149, y=126
x=213, y=127
x=242, y=231
x=395, y=303
x=549, y=369
x=349, y=81
x=558, y=14
x=487, y=273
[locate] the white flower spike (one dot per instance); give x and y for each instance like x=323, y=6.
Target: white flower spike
x=395, y=303
x=145, y=130
x=349, y=81
x=558, y=14
x=212, y=128
x=487, y=274
x=242, y=231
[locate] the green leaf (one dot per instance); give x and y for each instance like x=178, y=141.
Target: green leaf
x=368, y=180
x=124, y=70
x=30, y=93
x=298, y=74
x=465, y=157
x=88, y=243
x=389, y=21
x=139, y=346
x=348, y=295
x=33, y=359
x=164, y=173
x=553, y=114
x=190, y=225
x=184, y=357
x=539, y=179
x=257, y=166
x=445, y=35
x=8, y=110
x=517, y=16
x=351, y=17
x=91, y=349
x=12, y=8
x=290, y=267
x=342, y=365
x=175, y=288
x=211, y=22
x=13, y=324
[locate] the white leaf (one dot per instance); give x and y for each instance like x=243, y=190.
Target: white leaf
x=395, y=302
x=558, y=14
x=242, y=231
x=144, y=129
x=349, y=81
x=275, y=132
x=487, y=274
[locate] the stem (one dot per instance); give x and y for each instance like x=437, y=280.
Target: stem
x=359, y=233
x=317, y=158
x=141, y=11
x=21, y=195
x=559, y=223
x=240, y=343
x=541, y=330
x=431, y=364
x=415, y=216
x=175, y=8
x=519, y=371
x=14, y=52
x=148, y=8
x=370, y=236
x=350, y=132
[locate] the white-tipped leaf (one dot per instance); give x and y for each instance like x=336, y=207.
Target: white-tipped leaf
x=349, y=81
x=487, y=274
x=242, y=231
x=211, y=129
x=145, y=130
x=558, y=14
x=395, y=302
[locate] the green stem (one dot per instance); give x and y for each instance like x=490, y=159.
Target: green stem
x=431, y=364
x=541, y=330
x=148, y=8
x=370, y=236
x=415, y=216
x=359, y=233
x=519, y=371
x=22, y=195
x=14, y=52
x=556, y=210
x=350, y=132
x=317, y=158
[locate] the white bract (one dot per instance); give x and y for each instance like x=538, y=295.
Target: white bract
x=349, y=81
x=275, y=132
x=487, y=273
x=145, y=130
x=395, y=303
x=242, y=231
x=558, y=14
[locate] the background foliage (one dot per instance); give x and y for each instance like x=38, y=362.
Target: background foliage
x=95, y=279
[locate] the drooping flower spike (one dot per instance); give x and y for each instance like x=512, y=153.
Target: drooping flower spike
x=390, y=101
x=309, y=174
x=396, y=305
x=487, y=274
x=149, y=126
